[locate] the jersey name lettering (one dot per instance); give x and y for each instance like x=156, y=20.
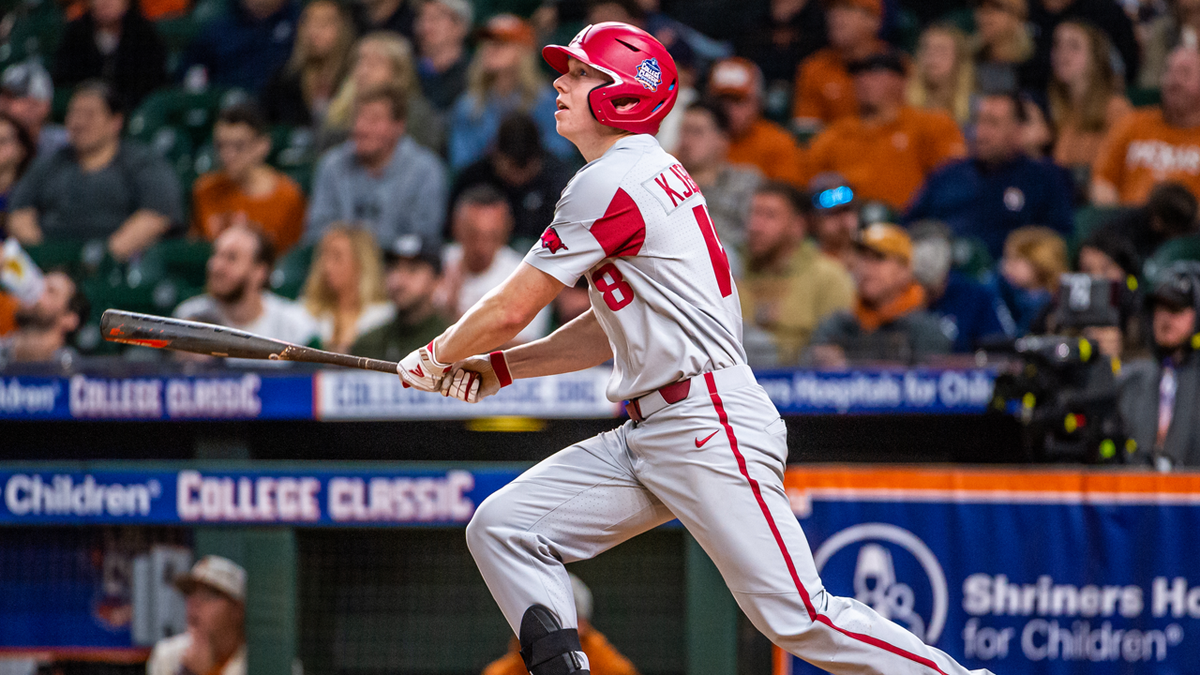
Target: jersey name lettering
x=672, y=187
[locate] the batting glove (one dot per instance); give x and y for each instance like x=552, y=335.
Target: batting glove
x=477, y=378
x=421, y=370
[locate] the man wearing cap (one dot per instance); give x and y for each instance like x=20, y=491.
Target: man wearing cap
x=728, y=188
x=833, y=216
x=215, y=641
x=889, y=322
x=26, y=93
x=414, y=269
x=788, y=287
x=1159, y=398
x=737, y=84
x=824, y=91
x=998, y=188
x=440, y=32
x=603, y=658
x=890, y=148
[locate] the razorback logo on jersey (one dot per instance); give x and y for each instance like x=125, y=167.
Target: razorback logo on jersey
x=552, y=241
x=672, y=187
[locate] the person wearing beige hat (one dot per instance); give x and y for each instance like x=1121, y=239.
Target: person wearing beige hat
x=215, y=641
x=888, y=322
x=737, y=84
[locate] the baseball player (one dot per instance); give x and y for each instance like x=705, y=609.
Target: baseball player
x=704, y=443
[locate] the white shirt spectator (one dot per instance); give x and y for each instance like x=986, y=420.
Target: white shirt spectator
x=371, y=317
x=168, y=655
x=473, y=287
x=281, y=319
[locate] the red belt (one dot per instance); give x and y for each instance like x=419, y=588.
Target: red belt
x=672, y=393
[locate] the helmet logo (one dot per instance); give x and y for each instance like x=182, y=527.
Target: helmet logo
x=551, y=240
x=649, y=74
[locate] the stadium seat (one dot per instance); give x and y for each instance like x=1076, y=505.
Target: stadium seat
x=183, y=260
x=290, y=272
x=1143, y=96
x=1183, y=248
x=970, y=257
x=36, y=31
x=294, y=152
x=191, y=112
x=1087, y=220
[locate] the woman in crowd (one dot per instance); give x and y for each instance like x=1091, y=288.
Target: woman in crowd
x=1003, y=45
x=1086, y=93
x=115, y=43
x=344, y=290
x=16, y=152
x=1028, y=274
x=944, y=76
x=503, y=77
x=383, y=58
x=300, y=92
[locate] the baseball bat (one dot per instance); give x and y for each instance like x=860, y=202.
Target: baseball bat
x=162, y=332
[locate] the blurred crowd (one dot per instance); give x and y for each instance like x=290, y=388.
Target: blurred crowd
x=893, y=181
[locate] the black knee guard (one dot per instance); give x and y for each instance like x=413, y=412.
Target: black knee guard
x=547, y=647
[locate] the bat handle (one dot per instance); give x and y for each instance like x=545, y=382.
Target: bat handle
x=381, y=366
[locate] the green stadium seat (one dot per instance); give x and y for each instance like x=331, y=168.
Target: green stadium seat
x=1183, y=248
x=191, y=112
x=183, y=260
x=1087, y=220
x=290, y=272
x=36, y=31
x=1143, y=96
x=970, y=257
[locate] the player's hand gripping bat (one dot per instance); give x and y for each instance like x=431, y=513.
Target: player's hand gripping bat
x=205, y=338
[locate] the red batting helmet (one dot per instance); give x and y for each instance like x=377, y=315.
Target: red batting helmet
x=639, y=65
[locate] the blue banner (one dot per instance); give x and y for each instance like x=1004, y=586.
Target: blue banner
x=878, y=391
x=1039, y=574
x=413, y=497
x=240, y=396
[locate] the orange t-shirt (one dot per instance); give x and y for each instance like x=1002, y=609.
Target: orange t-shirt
x=772, y=149
x=824, y=88
x=1142, y=150
x=1076, y=147
x=217, y=202
x=887, y=162
x=603, y=658
x=8, y=313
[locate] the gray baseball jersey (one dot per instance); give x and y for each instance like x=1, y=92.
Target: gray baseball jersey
x=636, y=224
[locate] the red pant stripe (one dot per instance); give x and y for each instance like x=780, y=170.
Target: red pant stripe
x=762, y=505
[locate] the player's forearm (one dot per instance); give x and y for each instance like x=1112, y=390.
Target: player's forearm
x=578, y=345
x=499, y=316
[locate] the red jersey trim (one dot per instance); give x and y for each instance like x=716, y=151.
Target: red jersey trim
x=621, y=231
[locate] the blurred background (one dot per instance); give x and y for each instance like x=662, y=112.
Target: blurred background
x=965, y=240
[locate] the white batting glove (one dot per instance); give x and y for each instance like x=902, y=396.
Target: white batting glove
x=421, y=370
x=478, y=377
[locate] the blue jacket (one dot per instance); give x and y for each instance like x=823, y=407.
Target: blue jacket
x=1023, y=306
x=988, y=204
x=969, y=312
x=241, y=51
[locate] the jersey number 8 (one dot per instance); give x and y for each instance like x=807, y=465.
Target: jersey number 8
x=618, y=293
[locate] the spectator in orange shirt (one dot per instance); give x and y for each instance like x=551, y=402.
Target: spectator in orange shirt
x=738, y=85
x=1154, y=145
x=603, y=658
x=824, y=88
x=887, y=152
x=246, y=189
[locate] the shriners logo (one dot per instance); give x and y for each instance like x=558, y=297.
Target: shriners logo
x=551, y=240
x=649, y=74
x=919, y=605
